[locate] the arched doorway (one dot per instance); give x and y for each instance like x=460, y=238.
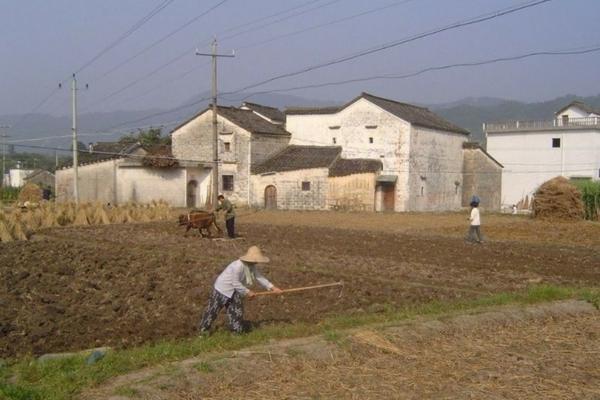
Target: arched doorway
x=192, y=189
x=271, y=197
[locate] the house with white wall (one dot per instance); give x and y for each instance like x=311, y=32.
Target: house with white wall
x=246, y=137
x=420, y=153
x=533, y=152
x=118, y=173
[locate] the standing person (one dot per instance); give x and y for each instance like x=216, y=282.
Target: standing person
x=474, y=234
x=226, y=205
x=231, y=286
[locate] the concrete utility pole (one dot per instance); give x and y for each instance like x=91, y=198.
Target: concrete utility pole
x=4, y=136
x=75, y=147
x=215, y=174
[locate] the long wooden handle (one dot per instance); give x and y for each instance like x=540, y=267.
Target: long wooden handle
x=298, y=289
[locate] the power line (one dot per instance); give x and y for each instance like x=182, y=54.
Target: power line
x=280, y=20
x=327, y=24
x=188, y=51
x=425, y=70
x=162, y=39
x=385, y=46
x=126, y=34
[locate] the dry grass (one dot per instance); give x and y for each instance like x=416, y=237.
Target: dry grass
x=20, y=223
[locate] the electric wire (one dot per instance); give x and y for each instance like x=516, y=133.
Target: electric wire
x=385, y=46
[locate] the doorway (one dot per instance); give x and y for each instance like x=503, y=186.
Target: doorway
x=192, y=189
x=388, y=196
x=271, y=197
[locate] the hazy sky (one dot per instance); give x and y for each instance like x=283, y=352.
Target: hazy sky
x=43, y=41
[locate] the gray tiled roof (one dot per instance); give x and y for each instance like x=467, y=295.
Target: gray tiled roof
x=299, y=157
x=416, y=115
x=344, y=167
x=245, y=119
x=272, y=113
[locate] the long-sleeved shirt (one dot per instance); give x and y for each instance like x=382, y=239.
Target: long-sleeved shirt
x=228, y=207
x=475, y=219
x=232, y=277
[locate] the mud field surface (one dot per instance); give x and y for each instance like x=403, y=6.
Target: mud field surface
x=122, y=285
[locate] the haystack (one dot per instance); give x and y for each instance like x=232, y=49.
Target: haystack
x=17, y=230
x=31, y=193
x=559, y=200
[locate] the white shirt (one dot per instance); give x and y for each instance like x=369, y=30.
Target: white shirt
x=475, y=219
x=232, y=277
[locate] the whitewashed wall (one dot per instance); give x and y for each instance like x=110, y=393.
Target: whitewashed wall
x=97, y=182
x=354, y=125
x=143, y=185
x=436, y=166
x=529, y=159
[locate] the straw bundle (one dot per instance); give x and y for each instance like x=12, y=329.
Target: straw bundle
x=5, y=233
x=373, y=339
x=100, y=217
x=81, y=218
x=18, y=231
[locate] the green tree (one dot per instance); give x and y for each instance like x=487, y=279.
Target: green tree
x=149, y=137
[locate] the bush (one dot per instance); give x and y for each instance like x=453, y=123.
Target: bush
x=8, y=194
x=590, y=195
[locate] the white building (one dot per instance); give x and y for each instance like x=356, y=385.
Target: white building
x=533, y=152
x=16, y=177
x=421, y=154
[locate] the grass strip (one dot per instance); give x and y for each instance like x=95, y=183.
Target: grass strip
x=62, y=379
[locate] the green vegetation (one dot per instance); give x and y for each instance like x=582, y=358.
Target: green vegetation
x=8, y=194
x=590, y=194
x=64, y=378
x=150, y=137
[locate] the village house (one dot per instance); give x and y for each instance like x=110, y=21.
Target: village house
x=118, y=173
x=247, y=137
x=42, y=178
x=375, y=154
x=535, y=151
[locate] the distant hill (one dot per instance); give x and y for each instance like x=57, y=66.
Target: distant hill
x=469, y=113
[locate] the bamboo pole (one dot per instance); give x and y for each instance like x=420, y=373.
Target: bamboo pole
x=298, y=289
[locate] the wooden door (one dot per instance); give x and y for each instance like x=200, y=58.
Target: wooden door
x=271, y=197
x=388, y=193
x=192, y=188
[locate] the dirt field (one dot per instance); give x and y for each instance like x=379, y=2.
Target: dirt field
x=121, y=285
x=546, y=351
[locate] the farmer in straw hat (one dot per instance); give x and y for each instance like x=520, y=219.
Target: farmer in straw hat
x=231, y=286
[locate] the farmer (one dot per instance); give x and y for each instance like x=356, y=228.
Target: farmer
x=474, y=234
x=226, y=205
x=231, y=286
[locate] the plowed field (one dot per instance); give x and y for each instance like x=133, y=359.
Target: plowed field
x=121, y=285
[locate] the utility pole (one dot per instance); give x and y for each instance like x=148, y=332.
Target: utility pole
x=215, y=174
x=4, y=136
x=75, y=147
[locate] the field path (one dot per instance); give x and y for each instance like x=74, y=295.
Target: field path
x=546, y=351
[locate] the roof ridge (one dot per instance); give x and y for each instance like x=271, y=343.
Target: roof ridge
x=260, y=105
x=365, y=94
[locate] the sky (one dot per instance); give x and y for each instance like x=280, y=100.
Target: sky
x=43, y=42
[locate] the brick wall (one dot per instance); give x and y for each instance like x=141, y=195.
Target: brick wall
x=290, y=195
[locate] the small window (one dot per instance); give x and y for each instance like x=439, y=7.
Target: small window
x=370, y=140
x=555, y=142
x=305, y=186
x=422, y=190
x=565, y=119
x=227, y=183
x=227, y=147
x=334, y=140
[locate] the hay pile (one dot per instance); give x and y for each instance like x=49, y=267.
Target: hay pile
x=21, y=223
x=31, y=193
x=558, y=200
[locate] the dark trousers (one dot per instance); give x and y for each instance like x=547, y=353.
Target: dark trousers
x=474, y=234
x=234, y=308
x=230, y=224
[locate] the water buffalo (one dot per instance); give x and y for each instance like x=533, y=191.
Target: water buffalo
x=202, y=220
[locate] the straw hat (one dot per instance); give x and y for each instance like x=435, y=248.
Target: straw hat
x=254, y=255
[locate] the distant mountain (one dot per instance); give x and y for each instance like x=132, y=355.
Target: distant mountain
x=471, y=116
x=469, y=113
